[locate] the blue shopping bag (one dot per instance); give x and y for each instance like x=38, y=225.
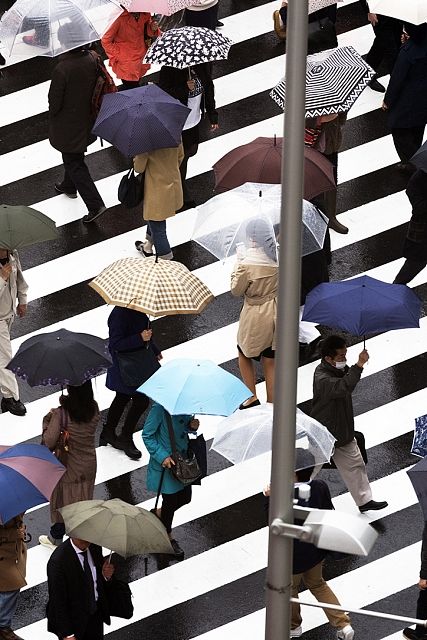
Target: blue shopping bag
x=419, y=444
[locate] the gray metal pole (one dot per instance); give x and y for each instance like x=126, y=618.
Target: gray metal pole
x=279, y=569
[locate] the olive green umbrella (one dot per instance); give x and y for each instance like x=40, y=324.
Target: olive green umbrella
x=21, y=226
x=116, y=525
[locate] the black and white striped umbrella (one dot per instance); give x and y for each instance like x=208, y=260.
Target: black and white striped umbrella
x=334, y=81
x=187, y=46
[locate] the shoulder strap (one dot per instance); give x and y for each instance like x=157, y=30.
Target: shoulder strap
x=171, y=432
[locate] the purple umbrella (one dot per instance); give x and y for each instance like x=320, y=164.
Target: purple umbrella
x=28, y=475
x=140, y=120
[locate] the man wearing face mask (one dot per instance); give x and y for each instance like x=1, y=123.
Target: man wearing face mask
x=13, y=301
x=333, y=384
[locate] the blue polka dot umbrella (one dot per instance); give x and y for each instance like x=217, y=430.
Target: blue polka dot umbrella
x=188, y=46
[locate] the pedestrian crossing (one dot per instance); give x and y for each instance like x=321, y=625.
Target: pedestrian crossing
x=217, y=591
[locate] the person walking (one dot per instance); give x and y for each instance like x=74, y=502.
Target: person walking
x=126, y=43
x=77, y=579
x=322, y=33
x=255, y=277
x=415, y=243
x=406, y=97
x=420, y=633
x=332, y=406
x=386, y=45
x=193, y=87
x=162, y=197
x=13, y=562
x=70, y=431
x=71, y=121
x=13, y=301
x=160, y=478
x=127, y=330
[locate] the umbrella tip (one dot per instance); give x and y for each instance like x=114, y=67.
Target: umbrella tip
x=260, y=194
x=275, y=137
x=58, y=338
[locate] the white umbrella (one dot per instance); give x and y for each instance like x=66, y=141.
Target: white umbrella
x=30, y=27
x=247, y=434
x=413, y=11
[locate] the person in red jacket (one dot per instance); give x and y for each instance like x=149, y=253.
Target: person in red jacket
x=126, y=43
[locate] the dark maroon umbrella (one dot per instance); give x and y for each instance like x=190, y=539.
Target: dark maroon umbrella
x=261, y=161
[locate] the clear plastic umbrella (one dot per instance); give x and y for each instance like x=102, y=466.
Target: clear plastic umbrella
x=247, y=434
x=50, y=27
x=224, y=223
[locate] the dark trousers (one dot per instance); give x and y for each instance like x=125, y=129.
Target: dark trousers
x=407, y=141
x=139, y=403
x=94, y=629
x=171, y=502
x=386, y=44
x=78, y=178
x=409, y=270
x=206, y=18
x=421, y=612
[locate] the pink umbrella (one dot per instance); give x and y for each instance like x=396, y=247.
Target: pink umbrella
x=163, y=7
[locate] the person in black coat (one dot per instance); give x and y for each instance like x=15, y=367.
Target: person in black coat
x=415, y=243
x=194, y=88
x=71, y=121
x=406, y=96
x=320, y=37
x=76, y=577
x=128, y=330
x=419, y=633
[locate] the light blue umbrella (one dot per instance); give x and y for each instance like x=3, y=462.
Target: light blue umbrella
x=187, y=386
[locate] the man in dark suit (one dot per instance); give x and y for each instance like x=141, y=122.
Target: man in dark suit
x=76, y=575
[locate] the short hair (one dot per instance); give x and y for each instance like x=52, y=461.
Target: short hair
x=330, y=346
x=304, y=475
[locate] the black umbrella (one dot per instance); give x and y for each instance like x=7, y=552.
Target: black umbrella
x=60, y=357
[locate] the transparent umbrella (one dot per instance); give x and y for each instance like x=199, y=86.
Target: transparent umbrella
x=247, y=434
x=49, y=27
x=223, y=222
x=413, y=11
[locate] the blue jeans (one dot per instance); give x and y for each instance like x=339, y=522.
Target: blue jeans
x=156, y=232
x=8, y=602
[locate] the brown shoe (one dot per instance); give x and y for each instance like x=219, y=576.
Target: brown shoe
x=278, y=27
x=6, y=633
x=337, y=226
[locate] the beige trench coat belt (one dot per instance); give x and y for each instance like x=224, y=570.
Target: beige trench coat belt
x=256, y=302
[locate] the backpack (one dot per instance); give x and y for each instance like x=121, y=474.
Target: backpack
x=104, y=83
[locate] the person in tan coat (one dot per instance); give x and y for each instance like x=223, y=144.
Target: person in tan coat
x=13, y=564
x=77, y=418
x=162, y=196
x=256, y=278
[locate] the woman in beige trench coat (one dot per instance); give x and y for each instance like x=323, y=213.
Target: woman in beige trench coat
x=162, y=196
x=13, y=563
x=78, y=415
x=256, y=278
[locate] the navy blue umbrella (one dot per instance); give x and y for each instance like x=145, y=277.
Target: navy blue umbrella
x=140, y=120
x=363, y=305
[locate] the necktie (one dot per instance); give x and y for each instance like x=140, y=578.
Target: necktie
x=89, y=580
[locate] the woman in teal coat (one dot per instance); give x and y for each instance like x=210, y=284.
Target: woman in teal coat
x=157, y=441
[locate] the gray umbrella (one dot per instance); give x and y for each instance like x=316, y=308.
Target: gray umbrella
x=21, y=226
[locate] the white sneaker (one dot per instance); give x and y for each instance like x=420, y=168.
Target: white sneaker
x=346, y=633
x=47, y=541
x=297, y=632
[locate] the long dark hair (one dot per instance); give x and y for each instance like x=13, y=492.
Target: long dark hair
x=79, y=403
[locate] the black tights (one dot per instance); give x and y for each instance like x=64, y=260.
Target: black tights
x=409, y=270
x=171, y=502
x=139, y=403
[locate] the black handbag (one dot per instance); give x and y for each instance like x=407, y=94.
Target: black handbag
x=137, y=365
x=198, y=447
x=131, y=189
x=119, y=598
x=185, y=469
x=321, y=35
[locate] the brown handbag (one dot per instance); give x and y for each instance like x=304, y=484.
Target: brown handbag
x=61, y=447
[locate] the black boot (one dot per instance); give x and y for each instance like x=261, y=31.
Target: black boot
x=125, y=443
x=107, y=436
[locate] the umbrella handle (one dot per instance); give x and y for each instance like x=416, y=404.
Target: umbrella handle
x=109, y=557
x=364, y=342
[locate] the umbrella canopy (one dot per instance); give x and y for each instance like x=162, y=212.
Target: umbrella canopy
x=81, y=22
x=187, y=386
x=419, y=159
x=21, y=226
x=60, y=357
x=418, y=477
x=28, y=475
x=163, y=7
x=334, y=80
x=261, y=161
x=155, y=287
x=188, y=46
x=247, y=434
x=140, y=120
x=116, y=525
x=413, y=11
x=222, y=222
x=363, y=305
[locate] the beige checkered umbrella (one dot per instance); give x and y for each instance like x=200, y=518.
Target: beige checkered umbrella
x=156, y=287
